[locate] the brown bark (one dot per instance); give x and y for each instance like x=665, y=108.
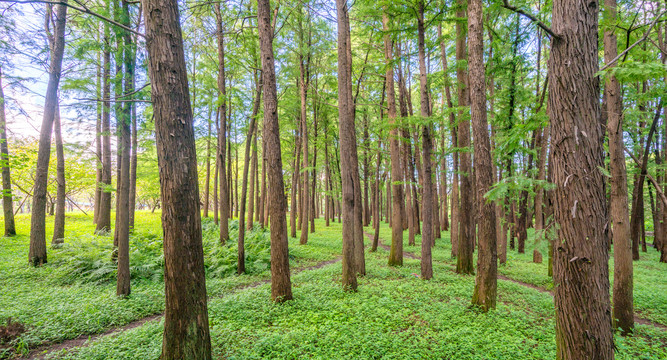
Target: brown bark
x=281, y=287
x=207, y=186
x=427, y=146
x=396, y=251
x=295, y=185
x=59, y=220
x=486, y=285
x=240, y=267
x=103, y=223
x=7, y=199
x=581, y=273
x=304, y=82
x=253, y=180
x=347, y=140
x=222, y=134
x=623, y=313
x=186, y=328
x=37, y=252
x=464, y=261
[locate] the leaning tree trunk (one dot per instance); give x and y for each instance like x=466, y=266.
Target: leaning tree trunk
x=59, y=220
x=7, y=199
x=281, y=287
x=486, y=285
x=581, y=273
x=427, y=146
x=186, y=329
x=464, y=262
x=396, y=251
x=37, y=252
x=623, y=312
x=346, y=138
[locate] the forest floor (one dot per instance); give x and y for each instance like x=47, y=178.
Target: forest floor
x=68, y=308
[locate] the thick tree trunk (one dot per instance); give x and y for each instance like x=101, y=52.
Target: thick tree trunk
x=581, y=273
x=486, y=285
x=396, y=251
x=37, y=252
x=347, y=140
x=59, y=220
x=281, y=287
x=222, y=134
x=7, y=198
x=186, y=328
x=427, y=146
x=464, y=261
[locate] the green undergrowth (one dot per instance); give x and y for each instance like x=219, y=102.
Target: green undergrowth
x=394, y=315
x=74, y=293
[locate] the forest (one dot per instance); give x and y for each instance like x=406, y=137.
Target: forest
x=288, y=179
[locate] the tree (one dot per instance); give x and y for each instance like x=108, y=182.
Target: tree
x=222, y=137
x=281, y=286
x=396, y=251
x=186, y=331
x=427, y=148
x=7, y=198
x=466, y=237
x=59, y=220
x=347, y=139
x=623, y=313
x=581, y=273
x=103, y=223
x=37, y=253
x=485, y=291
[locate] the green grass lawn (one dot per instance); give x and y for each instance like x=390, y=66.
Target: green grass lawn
x=394, y=315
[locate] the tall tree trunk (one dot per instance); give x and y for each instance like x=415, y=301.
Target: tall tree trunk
x=581, y=273
x=623, y=313
x=427, y=146
x=396, y=251
x=295, y=185
x=103, y=223
x=130, y=64
x=59, y=221
x=486, y=285
x=253, y=171
x=186, y=328
x=7, y=198
x=216, y=207
x=222, y=134
x=304, y=81
x=347, y=140
x=240, y=268
x=281, y=287
x=464, y=262
x=37, y=252
x=98, y=139
x=207, y=186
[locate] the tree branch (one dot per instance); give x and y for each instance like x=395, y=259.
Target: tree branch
x=532, y=18
x=82, y=9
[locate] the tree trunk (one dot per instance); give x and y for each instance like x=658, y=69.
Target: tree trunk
x=59, y=221
x=396, y=251
x=130, y=64
x=222, y=134
x=304, y=81
x=103, y=223
x=37, y=252
x=253, y=171
x=464, y=262
x=240, y=268
x=186, y=328
x=207, y=186
x=295, y=185
x=623, y=313
x=281, y=287
x=427, y=146
x=581, y=273
x=7, y=198
x=486, y=285
x=347, y=140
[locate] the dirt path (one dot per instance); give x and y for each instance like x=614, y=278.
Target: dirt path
x=43, y=351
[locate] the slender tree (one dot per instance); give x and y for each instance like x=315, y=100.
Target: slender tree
x=37, y=253
x=59, y=219
x=281, y=287
x=222, y=134
x=7, y=198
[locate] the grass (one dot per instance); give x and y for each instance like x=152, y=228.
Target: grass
x=394, y=315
